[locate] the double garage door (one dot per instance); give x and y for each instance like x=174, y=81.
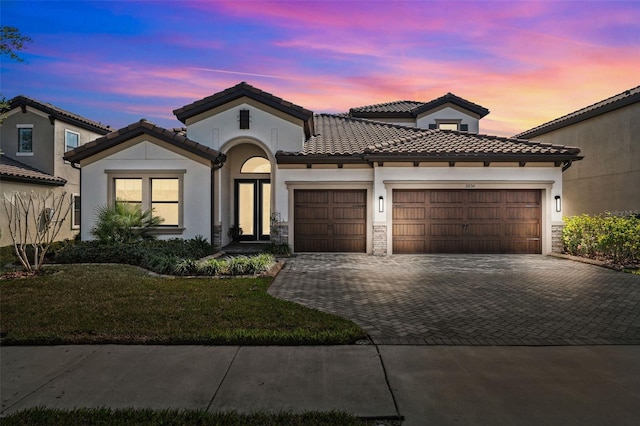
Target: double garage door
x=424, y=221
x=467, y=221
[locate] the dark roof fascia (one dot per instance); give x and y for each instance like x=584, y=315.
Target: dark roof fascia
x=573, y=119
x=58, y=114
x=24, y=179
x=471, y=158
x=288, y=158
x=234, y=93
x=451, y=98
x=104, y=143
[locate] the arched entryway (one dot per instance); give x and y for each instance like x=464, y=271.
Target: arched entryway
x=253, y=199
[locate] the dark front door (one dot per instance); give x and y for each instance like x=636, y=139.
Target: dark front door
x=253, y=208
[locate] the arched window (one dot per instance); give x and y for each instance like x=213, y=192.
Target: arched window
x=256, y=165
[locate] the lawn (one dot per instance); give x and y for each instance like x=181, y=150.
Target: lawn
x=79, y=304
x=102, y=416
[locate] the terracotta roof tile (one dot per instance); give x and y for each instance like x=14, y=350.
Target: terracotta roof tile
x=414, y=108
x=620, y=100
x=60, y=114
x=338, y=135
x=11, y=169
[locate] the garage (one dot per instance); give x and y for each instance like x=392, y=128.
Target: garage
x=467, y=221
x=330, y=221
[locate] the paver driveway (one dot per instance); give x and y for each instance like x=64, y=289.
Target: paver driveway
x=468, y=299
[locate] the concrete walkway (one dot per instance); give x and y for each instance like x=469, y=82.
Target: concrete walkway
x=420, y=384
x=493, y=300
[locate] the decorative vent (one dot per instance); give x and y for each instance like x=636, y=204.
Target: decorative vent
x=464, y=127
x=244, y=118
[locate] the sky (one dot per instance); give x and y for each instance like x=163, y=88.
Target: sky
x=527, y=62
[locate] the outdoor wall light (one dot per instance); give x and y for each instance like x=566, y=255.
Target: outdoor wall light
x=380, y=204
x=558, y=203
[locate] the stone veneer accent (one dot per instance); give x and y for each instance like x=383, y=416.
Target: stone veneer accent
x=557, y=246
x=280, y=233
x=379, y=240
x=217, y=237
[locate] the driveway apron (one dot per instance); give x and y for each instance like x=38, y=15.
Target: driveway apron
x=468, y=299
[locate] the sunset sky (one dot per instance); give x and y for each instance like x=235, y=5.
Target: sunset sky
x=527, y=62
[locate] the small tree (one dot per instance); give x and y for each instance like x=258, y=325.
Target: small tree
x=35, y=219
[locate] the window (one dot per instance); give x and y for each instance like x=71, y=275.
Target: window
x=244, y=118
x=160, y=191
x=256, y=165
x=25, y=139
x=71, y=140
x=75, y=212
x=448, y=126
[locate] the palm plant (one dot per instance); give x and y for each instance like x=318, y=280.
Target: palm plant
x=124, y=223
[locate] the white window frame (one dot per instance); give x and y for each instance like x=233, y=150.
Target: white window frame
x=24, y=153
x=456, y=122
x=73, y=211
x=67, y=132
x=146, y=176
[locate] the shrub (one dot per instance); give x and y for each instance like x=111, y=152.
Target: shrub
x=124, y=223
x=616, y=238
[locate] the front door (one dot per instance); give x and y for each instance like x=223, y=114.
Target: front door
x=253, y=208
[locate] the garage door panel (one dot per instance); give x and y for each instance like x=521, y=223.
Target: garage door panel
x=349, y=197
x=449, y=213
x=349, y=212
x=446, y=197
x=484, y=213
x=313, y=245
x=351, y=229
x=409, y=213
x=312, y=213
x=312, y=197
x=349, y=245
x=446, y=230
x=409, y=246
x=311, y=229
x=467, y=221
x=408, y=229
x=404, y=196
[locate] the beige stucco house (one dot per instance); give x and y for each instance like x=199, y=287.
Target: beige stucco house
x=401, y=177
x=608, y=132
x=33, y=139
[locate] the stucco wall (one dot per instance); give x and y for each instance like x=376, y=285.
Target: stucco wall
x=449, y=113
x=608, y=177
x=148, y=156
x=268, y=125
x=43, y=145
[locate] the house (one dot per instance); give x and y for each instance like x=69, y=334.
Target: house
x=608, y=133
x=332, y=182
x=33, y=138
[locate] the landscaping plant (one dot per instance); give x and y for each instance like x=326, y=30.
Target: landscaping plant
x=124, y=223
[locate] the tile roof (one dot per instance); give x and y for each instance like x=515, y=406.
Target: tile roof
x=238, y=91
x=628, y=97
x=339, y=136
x=59, y=113
x=141, y=127
x=399, y=109
x=14, y=170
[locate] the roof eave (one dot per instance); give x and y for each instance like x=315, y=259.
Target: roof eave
x=25, y=179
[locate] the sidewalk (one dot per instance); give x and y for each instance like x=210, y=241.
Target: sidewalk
x=584, y=385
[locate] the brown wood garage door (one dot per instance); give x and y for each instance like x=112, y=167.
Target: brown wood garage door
x=467, y=221
x=330, y=220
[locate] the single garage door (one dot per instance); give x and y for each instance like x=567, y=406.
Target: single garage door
x=467, y=221
x=330, y=220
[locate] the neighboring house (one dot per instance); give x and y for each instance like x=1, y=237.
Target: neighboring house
x=608, y=132
x=33, y=138
x=329, y=183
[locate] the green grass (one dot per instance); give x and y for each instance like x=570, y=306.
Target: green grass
x=81, y=304
x=103, y=416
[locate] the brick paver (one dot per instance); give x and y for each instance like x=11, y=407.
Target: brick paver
x=469, y=299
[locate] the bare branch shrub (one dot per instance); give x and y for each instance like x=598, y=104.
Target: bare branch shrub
x=35, y=219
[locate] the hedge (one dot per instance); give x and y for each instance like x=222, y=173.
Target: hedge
x=605, y=236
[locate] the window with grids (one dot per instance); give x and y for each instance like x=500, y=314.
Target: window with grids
x=75, y=213
x=160, y=191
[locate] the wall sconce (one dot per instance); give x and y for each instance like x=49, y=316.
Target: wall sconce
x=380, y=204
x=558, y=203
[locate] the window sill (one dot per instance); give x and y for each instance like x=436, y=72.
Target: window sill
x=166, y=231
x=24, y=154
